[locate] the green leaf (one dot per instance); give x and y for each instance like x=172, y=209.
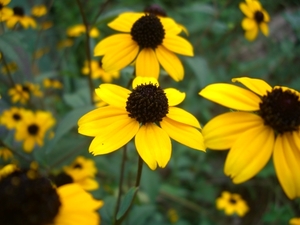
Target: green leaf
x=78, y=99
x=126, y=202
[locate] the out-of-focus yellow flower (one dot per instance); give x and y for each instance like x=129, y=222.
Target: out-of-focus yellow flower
x=40, y=52
x=6, y=170
x=5, y=12
x=46, y=25
x=294, y=221
x=39, y=10
x=5, y=153
x=9, y=68
x=79, y=29
x=11, y=117
x=23, y=92
x=173, y=215
x=20, y=17
x=65, y=43
x=51, y=83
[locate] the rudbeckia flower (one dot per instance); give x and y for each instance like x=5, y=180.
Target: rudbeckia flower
x=256, y=18
x=147, y=112
x=98, y=72
x=232, y=203
x=266, y=123
x=11, y=117
x=79, y=29
x=5, y=153
x=294, y=221
x=146, y=40
x=39, y=10
x=23, y=92
x=29, y=198
x=51, y=83
x=32, y=129
x=20, y=17
x=5, y=12
x=9, y=68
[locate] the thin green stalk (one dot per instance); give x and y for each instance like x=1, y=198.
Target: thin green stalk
x=8, y=72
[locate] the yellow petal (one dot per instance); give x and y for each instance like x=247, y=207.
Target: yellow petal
x=250, y=153
x=254, y=5
x=286, y=162
x=144, y=80
x=264, y=28
x=248, y=24
x=174, y=96
x=114, y=136
x=182, y=116
x=222, y=131
x=250, y=35
x=178, y=45
x=153, y=145
x=266, y=16
x=170, y=62
x=147, y=64
x=258, y=86
x=113, y=94
x=183, y=133
x=231, y=96
x=170, y=26
x=246, y=10
x=125, y=21
x=110, y=43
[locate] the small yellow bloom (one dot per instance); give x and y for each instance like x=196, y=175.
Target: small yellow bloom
x=51, y=83
x=20, y=17
x=232, y=204
x=11, y=117
x=79, y=29
x=294, y=221
x=23, y=92
x=46, y=25
x=256, y=18
x=6, y=170
x=65, y=43
x=9, y=68
x=39, y=10
x=5, y=153
x=173, y=215
x=5, y=12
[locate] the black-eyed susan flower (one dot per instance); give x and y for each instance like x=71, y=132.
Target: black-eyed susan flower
x=267, y=121
x=5, y=153
x=11, y=117
x=22, y=92
x=29, y=198
x=5, y=12
x=232, y=204
x=82, y=171
x=32, y=129
x=146, y=40
x=256, y=19
x=98, y=72
x=39, y=10
x=19, y=16
x=79, y=29
x=147, y=112
x=9, y=68
x=52, y=83
x=294, y=221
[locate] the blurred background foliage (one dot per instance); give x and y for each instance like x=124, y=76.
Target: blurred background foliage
x=183, y=193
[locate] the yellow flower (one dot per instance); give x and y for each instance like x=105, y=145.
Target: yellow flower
x=46, y=25
x=148, y=113
x=98, y=72
x=9, y=68
x=65, y=43
x=20, y=17
x=82, y=171
x=232, y=204
x=256, y=18
x=5, y=12
x=6, y=170
x=31, y=197
x=173, y=215
x=294, y=221
x=11, y=117
x=23, y=92
x=79, y=29
x=267, y=122
x=51, y=83
x=39, y=10
x=146, y=40
x=5, y=153
x=32, y=129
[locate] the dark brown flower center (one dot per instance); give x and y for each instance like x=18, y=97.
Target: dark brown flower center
x=33, y=129
x=17, y=116
x=259, y=17
x=1, y=6
x=26, y=88
x=147, y=104
x=281, y=110
x=19, y=11
x=27, y=200
x=156, y=10
x=232, y=201
x=61, y=179
x=148, y=31
x=77, y=166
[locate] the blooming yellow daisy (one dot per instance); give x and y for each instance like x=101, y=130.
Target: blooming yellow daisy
x=32, y=129
x=267, y=122
x=79, y=29
x=20, y=17
x=11, y=117
x=39, y=10
x=29, y=198
x=98, y=72
x=232, y=203
x=256, y=18
x=23, y=92
x=5, y=153
x=294, y=221
x=146, y=40
x=147, y=112
x=5, y=12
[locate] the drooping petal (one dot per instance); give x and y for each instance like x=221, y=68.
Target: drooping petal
x=250, y=153
x=144, y=80
x=248, y=24
x=125, y=21
x=114, y=136
x=170, y=62
x=222, y=131
x=110, y=43
x=113, y=94
x=178, y=45
x=147, y=64
x=266, y=16
x=174, y=96
x=153, y=145
x=264, y=28
x=182, y=116
x=28, y=144
x=184, y=134
x=250, y=35
x=258, y=86
x=246, y=10
x=231, y=96
x=286, y=162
